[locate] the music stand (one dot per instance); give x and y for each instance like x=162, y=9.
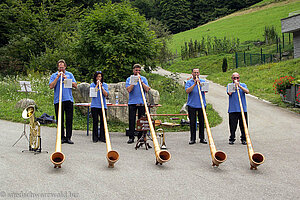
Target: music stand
x=143, y=126
x=25, y=87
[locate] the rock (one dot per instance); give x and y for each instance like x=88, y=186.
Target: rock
x=24, y=103
x=81, y=95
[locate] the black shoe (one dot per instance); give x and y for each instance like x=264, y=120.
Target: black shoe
x=95, y=141
x=192, y=142
x=244, y=142
x=203, y=141
x=69, y=141
x=103, y=141
x=63, y=140
x=231, y=142
x=130, y=141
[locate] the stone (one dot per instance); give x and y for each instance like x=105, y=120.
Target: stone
x=81, y=95
x=24, y=103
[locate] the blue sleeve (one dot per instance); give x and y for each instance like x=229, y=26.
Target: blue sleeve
x=244, y=85
x=92, y=85
x=52, y=78
x=105, y=86
x=73, y=79
x=127, y=82
x=187, y=85
x=145, y=81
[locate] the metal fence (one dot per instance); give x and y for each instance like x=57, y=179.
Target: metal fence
x=246, y=59
x=292, y=95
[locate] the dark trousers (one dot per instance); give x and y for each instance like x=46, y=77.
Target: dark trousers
x=67, y=108
x=234, y=119
x=96, y=112
x=192, y=116
x=132, y=117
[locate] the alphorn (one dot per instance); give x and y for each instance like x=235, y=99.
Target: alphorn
x=57, y=157
x=111, y=156
x=162, y=156
x=255, y=158
x=217, y=156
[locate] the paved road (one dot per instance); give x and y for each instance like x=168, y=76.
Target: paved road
x=275, y=132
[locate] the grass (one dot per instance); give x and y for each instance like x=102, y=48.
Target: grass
x=260, y=79
x=172, y=102
x=246, y=27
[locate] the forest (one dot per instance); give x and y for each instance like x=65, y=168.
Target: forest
x=93, y=34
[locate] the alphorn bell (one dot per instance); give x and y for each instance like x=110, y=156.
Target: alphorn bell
x=57, y=157
x=217, y=156
x=162, y=156
x=254, y=157
x=111, y=156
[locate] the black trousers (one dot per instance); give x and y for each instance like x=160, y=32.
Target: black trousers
x=96, y=112
x=234, y=119
x=132, y=117
x=67, y=108
x=192, y=112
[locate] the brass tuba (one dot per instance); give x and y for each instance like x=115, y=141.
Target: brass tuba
x=254, y=157
x=57, y=157
x=162, y=156
x=35, y=128
x=111, y=156
x=217, y=156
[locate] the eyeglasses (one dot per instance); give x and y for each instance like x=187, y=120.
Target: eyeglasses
x=138, y=70
x=236, y=77
x=98, y=72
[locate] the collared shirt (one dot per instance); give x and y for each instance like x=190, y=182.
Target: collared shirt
x=135, y=96
x=96, y=103
x=193, y=96
x=66, y=92
x=234, y=105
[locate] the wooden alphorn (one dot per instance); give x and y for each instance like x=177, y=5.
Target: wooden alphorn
x=57, y=157
x=162, y=156
x=217, y=156
x=111, y=156
x=255, y=158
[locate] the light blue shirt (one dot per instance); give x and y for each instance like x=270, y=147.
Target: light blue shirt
x=96, y=103
x=66, y=92
x=135, y=96
x=193, y=97
x=234, y=105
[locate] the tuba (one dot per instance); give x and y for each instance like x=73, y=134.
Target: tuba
x=111, y=156
x=162, y=156
x=35, y=128
x=57, y=157
x=217, y=156
x=254, y=157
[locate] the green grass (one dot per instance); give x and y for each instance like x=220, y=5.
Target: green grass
x=260, y=79
x=207, y=64
x=246, y=27
x=172, y=102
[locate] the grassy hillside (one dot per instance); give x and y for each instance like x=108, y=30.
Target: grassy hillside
x=260, y=79
x=246, y=25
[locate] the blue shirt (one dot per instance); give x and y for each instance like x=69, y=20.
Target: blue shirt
x=96, y=103
x=135, y=96
x=234, y=105
x=66, y=92
x=193, y=97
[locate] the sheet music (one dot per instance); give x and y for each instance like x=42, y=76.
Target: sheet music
x=68, y=83
x=204, y=86
x=231, y=87
x=133, y=80
x=28, y=86
x=93, y=92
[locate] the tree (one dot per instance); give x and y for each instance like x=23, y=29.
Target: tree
x=113, y=37
x=176, y=15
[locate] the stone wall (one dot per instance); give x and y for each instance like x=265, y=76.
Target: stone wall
x=81, y=95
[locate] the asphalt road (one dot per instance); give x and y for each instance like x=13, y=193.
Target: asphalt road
x=275, y=133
